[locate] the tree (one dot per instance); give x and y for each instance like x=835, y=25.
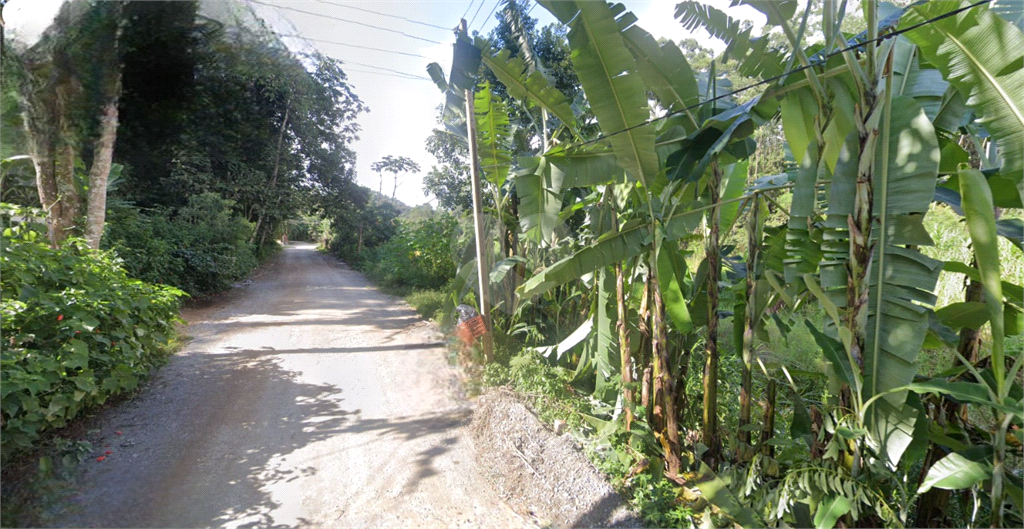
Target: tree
x=394, y=166
x=70, y=114
x=449, y=182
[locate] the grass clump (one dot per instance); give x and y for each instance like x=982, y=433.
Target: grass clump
x=428, y=303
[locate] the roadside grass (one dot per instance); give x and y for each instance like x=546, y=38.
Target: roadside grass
x=428, y=303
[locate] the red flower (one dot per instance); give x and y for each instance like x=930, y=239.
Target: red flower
x=108, y=452
x=118, y=432
x=60, y=317
x=101, y=458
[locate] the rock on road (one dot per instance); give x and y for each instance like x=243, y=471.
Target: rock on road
x=309, y=399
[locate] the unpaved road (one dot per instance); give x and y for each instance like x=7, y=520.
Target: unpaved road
x=309, y=399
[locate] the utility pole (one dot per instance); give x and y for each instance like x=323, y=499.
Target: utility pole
x=482, y=253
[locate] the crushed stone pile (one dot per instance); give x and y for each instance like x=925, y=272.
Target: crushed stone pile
x=540, y=474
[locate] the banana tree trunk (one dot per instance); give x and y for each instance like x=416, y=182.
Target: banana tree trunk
x=768, y=430
x=710, y=418
x=624, y=351
x=664, y=385
x=753, y=245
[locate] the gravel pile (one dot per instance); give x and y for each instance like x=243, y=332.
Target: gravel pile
x=541, y=474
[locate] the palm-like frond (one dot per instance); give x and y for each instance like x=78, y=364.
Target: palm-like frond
x=493, y=135
x=979, y=53
x=607, y=72
x=752, y=54
x=512, y=72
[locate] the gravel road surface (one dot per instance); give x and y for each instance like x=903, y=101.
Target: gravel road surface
x=306, y=399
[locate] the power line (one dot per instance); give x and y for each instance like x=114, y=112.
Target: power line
x=352, y=45
x=777, y=77
x=470, y=6
x=493, y=9
x=401, y=76
x=343, y=61
x=289, y=8
x=477, y=13
x=399, y=17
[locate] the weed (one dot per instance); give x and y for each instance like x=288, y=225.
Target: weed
x=427, y=302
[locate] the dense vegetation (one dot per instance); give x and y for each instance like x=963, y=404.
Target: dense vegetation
x=764, y=296
x=756, y=294
x=77, y=330
x=169, y=166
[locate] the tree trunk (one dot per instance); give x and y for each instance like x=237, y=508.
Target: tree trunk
x=99, y=174
x=624, y=352
x=753, y=245
x=664, y=385
x=768, y=431
x=644, y=355
x=710, y=418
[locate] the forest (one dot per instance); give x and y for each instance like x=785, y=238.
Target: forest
x=779, y=285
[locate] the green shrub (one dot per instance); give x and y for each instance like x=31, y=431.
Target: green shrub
x=201, y=248
x=418, y=257
x=76, y=331
x=427, y=302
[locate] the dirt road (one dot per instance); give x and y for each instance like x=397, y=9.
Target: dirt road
x=310, y=399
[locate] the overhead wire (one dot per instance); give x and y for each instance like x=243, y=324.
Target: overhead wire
x=289, y=8
x=785, y=74
x=493, y=9
x=405, y=75
x=325, y=41
x=399, y=76
x=470, y=6
x=399, y=17
x=413, y=76
x=482, y=2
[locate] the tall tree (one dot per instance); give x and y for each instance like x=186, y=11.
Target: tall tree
x=395, y=166
x=69, y=84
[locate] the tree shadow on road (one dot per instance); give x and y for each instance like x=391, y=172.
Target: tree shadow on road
x=209, y=440
x=195, y=447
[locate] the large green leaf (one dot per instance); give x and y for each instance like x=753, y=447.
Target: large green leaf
x=512, y=72
x=541, y=180
x=959, y=470
x=604, y=350
x=633, y=238
x=976, y=201
x=665, y=71
x=465, y=63
x=607, y=72
x=717, y=493
x=798, y=110
x=540, y=198
x=663, y=67
x=493, y=135
x=704, y=145
x=829, y=511
x=979, y=53
x=669, y=281
x=630, y=241
x=901, y=279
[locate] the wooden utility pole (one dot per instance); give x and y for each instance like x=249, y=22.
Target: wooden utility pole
x=482, y=252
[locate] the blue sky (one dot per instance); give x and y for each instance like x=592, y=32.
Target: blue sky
x=402, y=109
